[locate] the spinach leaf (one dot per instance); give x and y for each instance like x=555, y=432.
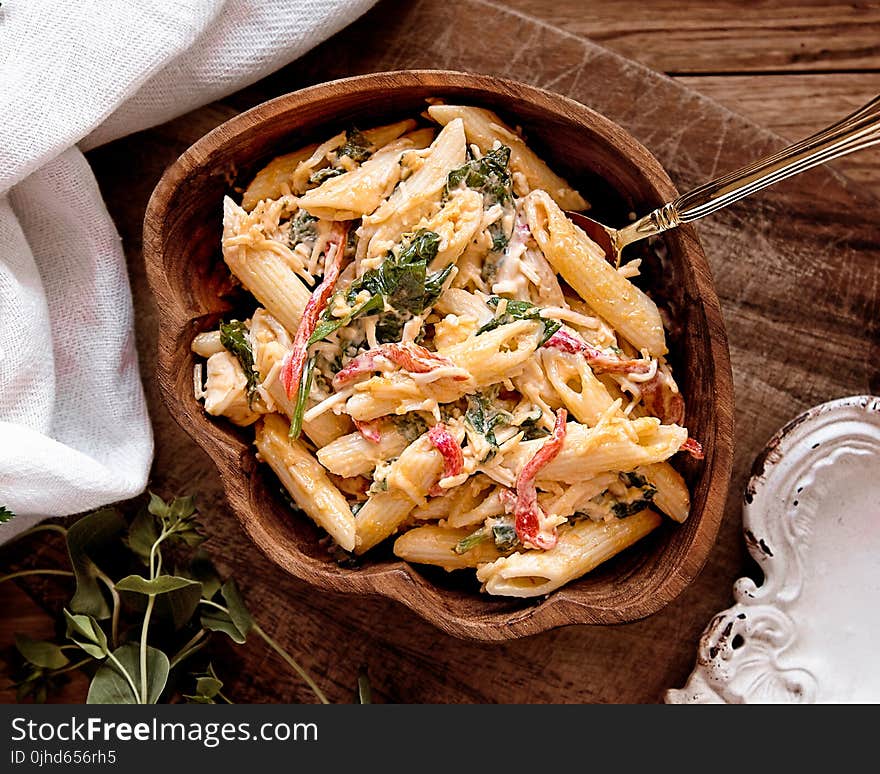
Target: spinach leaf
x=234, y=337
x=482, y=416
x=329, y=324
x=474, y=539
x=519, y=310
x=490, y=176
x=325, y=174
x=501, y=532
x=401, y=285
x=356, y=146
x=302, y=228
x=504, y=534
x=5, y=514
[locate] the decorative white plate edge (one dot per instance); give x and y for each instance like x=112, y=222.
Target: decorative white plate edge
x=739, y=653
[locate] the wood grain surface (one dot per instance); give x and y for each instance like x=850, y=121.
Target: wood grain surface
x=797, y=269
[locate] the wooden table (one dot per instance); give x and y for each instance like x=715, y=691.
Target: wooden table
x=790, y=66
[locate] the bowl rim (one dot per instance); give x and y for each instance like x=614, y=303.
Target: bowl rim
x=561, y=607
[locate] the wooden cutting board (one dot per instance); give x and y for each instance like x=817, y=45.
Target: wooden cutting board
x=798, y=273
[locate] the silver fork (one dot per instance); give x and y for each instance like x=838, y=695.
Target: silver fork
x=855, y=132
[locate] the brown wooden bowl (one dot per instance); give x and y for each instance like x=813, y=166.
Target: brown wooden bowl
x=182, y=231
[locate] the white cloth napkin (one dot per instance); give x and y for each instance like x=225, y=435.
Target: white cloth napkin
x=74, y=430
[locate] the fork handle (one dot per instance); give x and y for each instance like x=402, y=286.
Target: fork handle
x=857, y=131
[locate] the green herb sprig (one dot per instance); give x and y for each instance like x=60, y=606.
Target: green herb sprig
x=135, y=632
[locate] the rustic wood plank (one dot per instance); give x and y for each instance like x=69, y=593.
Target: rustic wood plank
x=797, y=104
x=716, y=36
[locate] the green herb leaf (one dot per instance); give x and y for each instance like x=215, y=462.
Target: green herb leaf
x=635, y=480
x=302, y=228
x=234, y=337
x=178, y=519
x=434, y=285
x=142, y=534
x=519, y=310
x=109, y=685
x=86, y=538
x=202, y=569
x=40, y=653
x=85, y=631
x=400, y=285
x=176, y=597
x=489, y=175
x=330, y=324
x=302, y=396
x=325, y=174
x=5, y=514
x=483, y=416
x=208, y=687
x=356, y=146
x=505, y=535
x=471, y=541
x=237, y=623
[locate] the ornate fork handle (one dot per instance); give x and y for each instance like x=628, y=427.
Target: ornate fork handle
x=855, y=132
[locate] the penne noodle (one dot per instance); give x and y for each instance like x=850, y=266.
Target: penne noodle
x=582, y=547
x=582, y=264
x=305, y=480
x=357, y=193
x=276, y=178
x=353, y=455
x=484, y=128
x=417, y=196
x=436, y=545
x=410, y=478
x=263, y=272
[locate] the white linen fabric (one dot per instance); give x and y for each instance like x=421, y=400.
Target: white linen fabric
x=74, y=430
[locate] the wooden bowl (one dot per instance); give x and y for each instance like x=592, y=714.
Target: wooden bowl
x=191, y=283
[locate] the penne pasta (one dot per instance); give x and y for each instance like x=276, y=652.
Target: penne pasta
x=354, y=194
x=353, y=455
x=436, y=545
x=582, y=264
x=484, y=128
x=581, y=547
x=305, y=480
x=263, y=272
x=410, y=478
x=471, y=375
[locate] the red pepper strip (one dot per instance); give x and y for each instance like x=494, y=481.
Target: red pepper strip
x=660, y=400
x=526, y=512
x=600, y=362
x=295, y=361
x=441, y=439
x=410, y=357
x=453, y=460
x=694, y=448
x=369, y=430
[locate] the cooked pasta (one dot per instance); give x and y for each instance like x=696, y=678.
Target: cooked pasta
x=439, y=356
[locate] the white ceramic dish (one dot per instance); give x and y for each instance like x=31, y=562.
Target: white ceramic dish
x=811, y=520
